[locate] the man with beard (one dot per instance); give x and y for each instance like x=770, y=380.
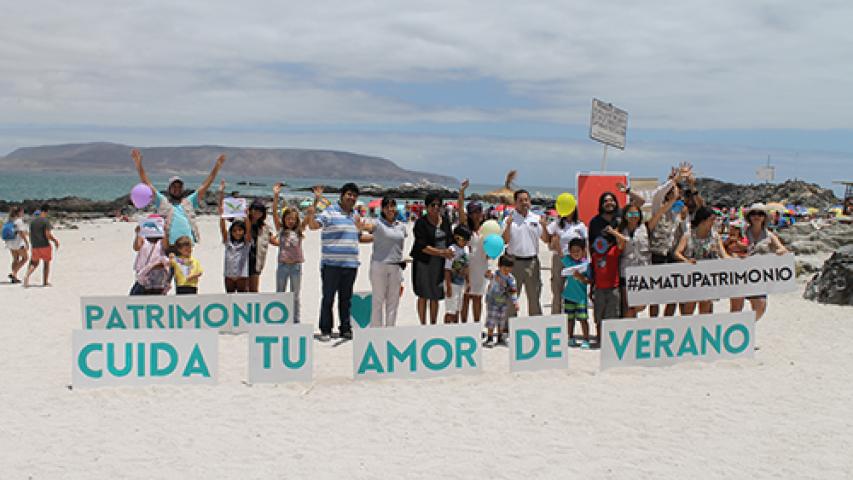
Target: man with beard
x=178, y=208
x=606, y=246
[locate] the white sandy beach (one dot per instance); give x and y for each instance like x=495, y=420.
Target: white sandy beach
x=785, y=414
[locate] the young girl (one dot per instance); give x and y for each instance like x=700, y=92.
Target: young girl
x=151, y=265
x=237, y=240
x=290, y=256
x=186, y=267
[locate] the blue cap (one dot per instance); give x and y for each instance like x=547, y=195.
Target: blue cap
x=677, y=206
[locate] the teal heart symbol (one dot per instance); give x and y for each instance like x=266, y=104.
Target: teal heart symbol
x=361, y=309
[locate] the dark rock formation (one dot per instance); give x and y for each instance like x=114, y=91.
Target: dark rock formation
x=805, y=238
x=795, y=192
x=834, y=283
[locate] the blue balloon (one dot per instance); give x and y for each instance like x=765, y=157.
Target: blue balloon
x=493, y=245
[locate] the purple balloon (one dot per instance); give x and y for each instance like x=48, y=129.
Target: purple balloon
x=141, y=195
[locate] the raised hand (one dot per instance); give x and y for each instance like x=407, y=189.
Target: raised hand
x=220, y=160
x=222, y=186
x=276, y=189
x=318, y=191
x=464, y=185
x=136, y=155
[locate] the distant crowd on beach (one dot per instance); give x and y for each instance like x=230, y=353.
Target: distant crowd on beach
x=477, y=260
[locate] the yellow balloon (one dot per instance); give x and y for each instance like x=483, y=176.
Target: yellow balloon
x=566, y=204
x=490, y=227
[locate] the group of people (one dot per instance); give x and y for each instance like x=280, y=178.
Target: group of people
x=448, y=259
x=33, y=243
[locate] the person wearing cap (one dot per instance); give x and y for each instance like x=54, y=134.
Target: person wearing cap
x=472, y=216
x=759, y=241
x=176, y=207
x=263, y=236
x=521, y=235
x=338, y=256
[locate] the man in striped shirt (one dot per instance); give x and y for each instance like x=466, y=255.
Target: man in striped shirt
x=339, y=256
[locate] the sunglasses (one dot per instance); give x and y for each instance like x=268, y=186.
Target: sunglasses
x=633, y=214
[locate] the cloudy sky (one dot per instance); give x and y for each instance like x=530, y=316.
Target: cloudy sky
x=469, y=89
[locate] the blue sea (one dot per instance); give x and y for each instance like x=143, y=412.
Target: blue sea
x=17, y=186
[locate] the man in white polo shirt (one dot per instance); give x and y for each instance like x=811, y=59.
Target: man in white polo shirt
x=522, y=233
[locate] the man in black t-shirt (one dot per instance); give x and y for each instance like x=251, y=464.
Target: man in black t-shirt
x=40, y=238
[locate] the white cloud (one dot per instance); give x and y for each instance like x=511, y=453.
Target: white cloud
x=726, y=64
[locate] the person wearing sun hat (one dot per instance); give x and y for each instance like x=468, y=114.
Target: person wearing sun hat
x=759, y=241
x=176, y=207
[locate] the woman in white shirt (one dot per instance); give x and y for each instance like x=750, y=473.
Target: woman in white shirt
x=18, y=245
x=560, y=232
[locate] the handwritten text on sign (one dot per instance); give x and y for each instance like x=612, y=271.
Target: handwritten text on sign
x=225, y=312
x=143, y=357
x=710, y=279
x=669, y=340
x=416, y=352
x=281, y=354
x=538, y=343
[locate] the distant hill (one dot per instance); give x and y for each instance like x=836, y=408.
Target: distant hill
x=277, y=162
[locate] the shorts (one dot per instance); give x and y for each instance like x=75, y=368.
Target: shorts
x=453, y=302
x=42, y=253
x=497, y=315
x=575, y=311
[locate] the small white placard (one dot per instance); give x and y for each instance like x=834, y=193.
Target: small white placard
x=281, y=354
x=538, y=343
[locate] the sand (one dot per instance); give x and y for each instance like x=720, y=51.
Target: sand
x=787, y=413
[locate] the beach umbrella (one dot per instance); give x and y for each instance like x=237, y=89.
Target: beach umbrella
x=305, y=203
x=775, y=206
x=503, y=195
x=375, y=203
x=812, y=211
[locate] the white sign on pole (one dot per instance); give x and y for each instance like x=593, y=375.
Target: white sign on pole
x=662, y=341
x=281, y=354
x=766, y=174
x=608, y=124
x=710, y=279
x=233, y=207
x=102, y=358
x=234, y=313
x=538, y=343
x=416, y=352
x=152, y=227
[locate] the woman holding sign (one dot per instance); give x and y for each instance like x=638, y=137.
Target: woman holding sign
x=760, y=241
x=701, y=243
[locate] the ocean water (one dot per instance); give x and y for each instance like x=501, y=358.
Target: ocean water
x=17, y=186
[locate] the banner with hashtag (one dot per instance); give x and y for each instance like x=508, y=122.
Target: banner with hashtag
x=710, y=279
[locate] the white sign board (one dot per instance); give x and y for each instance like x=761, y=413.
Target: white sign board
x=152, y=227
x=538, y=343
x=240, y=312
x=608, y=124
x=233, y=207
x=710, y=279
x=416, y=352
x=661, y=341
x=281, y=354
x=766, y=174
x=102, y=358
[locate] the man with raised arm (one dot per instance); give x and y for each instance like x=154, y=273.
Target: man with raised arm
x=176, y=207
